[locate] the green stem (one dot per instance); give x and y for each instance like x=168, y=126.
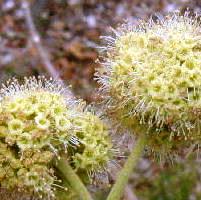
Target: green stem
x=73, y=179
x=122, y=179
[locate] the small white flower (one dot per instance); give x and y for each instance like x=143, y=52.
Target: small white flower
x=42, y=122
x=62, y=123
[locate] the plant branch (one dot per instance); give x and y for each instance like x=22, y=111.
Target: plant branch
x=128, y=193
x=36, y=40
x=74, y=181
x=122, y=179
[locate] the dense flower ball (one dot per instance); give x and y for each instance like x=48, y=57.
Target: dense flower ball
x=40, y=122
x=153, y=76
x=35, y=124
x=95, y=149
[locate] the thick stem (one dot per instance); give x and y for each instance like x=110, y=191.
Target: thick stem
x=122, y=179
x=74, y=181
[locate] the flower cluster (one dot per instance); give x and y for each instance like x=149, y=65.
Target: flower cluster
x=152, y=77
x=35, y=124
x=34, y=120
x=95, y=149
x=38, y=122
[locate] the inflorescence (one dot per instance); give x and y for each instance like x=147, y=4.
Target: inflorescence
x=95, y=147
x=152, y=78
x=39, y=122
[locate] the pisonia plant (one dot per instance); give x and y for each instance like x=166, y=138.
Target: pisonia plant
x=151, y=82
x=39, y=123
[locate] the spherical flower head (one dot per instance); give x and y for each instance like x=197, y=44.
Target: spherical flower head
x=95, y=149
x=38, y=121
x=34, y=125
x=153, y=76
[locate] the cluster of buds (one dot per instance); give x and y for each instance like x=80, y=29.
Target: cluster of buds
x=39, y=122
x=152, y=79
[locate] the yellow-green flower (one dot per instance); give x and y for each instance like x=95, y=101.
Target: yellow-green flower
x=38, y=122
x=15, y=126
x=28, y=130
x=42, y=122
x=152, y=78
x=62, y=123
x=95, y=149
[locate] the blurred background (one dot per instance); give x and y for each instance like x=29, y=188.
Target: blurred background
x=38, y=35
